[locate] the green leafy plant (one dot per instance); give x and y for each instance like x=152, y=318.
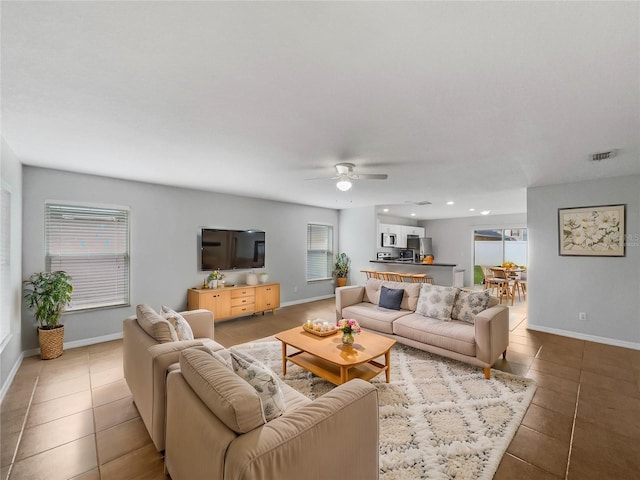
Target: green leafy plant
x=341, y=268
x=215, y=275
x=48, y=294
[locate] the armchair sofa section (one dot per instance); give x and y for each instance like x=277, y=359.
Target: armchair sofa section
x=146, y=362
x=215, y=428
x=479, y=343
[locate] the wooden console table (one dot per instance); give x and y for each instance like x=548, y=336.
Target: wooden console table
x=236, y=301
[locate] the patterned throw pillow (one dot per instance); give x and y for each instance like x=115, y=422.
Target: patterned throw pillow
x=183, y=329
x=436, y=301
x=469, y=304
x=263, y=380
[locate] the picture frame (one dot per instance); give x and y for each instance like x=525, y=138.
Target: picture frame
x=597, y=231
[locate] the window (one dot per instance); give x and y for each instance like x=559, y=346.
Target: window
x=319, y=252
x=92, y=245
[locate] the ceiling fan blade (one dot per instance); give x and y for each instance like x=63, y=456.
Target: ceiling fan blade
x=322, y=178
x=371, y=176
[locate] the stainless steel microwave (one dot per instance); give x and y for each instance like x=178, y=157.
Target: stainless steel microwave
x=389, y=240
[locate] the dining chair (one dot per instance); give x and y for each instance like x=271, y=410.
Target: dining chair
x=421, y=278
x=504, y=286
x=521, y=284
x=370, y=273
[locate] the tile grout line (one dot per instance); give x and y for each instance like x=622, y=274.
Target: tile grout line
x=573, y=424
x=24, y=424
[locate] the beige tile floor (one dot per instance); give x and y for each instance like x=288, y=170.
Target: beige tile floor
x=73, y=418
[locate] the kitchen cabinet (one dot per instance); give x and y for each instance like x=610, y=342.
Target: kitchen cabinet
x=389, y=228
x=406, y=231
x=236, y=301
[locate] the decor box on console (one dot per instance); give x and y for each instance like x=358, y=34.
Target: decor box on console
x=467, y=326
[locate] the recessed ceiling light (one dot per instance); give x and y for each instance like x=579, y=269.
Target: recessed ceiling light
x=472, y=209
x=485, y=212
x=413, y=214
x=450, y=202
x=385, y=209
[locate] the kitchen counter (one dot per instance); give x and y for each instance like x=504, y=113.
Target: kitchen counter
x=422, y=264
x=443, y=273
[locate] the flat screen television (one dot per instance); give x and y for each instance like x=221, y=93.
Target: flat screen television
x=231, y=249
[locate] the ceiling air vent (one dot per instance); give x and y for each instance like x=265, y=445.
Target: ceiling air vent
x=598, y=157
x=423, y=202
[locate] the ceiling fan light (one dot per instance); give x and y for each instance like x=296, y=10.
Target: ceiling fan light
x=343, y=185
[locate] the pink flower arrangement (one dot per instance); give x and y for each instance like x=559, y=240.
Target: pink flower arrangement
x=348, y=325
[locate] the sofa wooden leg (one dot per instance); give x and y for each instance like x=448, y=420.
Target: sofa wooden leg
x=487, y=373
x=504, y=354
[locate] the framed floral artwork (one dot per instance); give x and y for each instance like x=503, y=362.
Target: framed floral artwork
x=592, y=231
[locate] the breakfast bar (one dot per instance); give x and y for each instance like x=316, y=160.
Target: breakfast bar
x=446, y=274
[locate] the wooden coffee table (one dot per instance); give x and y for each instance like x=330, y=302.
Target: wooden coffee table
x=329, y=359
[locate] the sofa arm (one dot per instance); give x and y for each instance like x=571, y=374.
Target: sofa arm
x=201, y=322
x=346, y=296
x=492, y=333
x=335, y=436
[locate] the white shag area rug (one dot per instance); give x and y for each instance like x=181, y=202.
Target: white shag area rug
x=439, y=418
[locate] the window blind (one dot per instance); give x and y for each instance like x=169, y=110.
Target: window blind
x=319, y=251
x=92, y=245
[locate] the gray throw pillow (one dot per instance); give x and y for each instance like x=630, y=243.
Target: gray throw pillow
x=469, y=304
x=390, y=298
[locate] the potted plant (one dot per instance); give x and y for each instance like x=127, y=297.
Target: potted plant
x=48, y=294
x=214, y=277
x=341, y=269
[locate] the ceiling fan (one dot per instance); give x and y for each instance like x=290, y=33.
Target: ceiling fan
x=344, y=175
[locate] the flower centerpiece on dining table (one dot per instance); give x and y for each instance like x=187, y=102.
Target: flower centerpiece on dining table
x=349, y=327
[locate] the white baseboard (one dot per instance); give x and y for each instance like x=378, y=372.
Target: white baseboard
x=79, y=343
x=12, y=374
x=306, y=300
x=584, y=336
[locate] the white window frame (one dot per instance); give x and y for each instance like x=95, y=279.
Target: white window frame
x=328, y=252
x=5, y=264
x=91, y=243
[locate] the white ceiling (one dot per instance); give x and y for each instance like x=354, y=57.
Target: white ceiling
x=469, y=102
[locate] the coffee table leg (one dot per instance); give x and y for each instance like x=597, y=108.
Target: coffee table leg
x=284, y=358
x=387, y=361
x=344, y=375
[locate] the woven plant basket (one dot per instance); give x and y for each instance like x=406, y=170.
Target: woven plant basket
x=51, y=342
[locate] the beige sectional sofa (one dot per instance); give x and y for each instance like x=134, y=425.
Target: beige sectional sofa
x=215, y=428
x=478, y=341
x=149, y=353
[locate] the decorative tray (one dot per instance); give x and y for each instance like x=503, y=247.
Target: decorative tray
x=320, y=334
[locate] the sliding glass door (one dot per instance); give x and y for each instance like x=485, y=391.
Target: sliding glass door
x=495, y=246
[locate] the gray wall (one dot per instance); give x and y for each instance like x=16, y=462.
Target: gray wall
x=453, y=238
x=606, y=288
x=11, y=349
x=358, y=240
x=164, y=226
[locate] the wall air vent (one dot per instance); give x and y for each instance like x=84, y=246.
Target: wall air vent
x=598, y=157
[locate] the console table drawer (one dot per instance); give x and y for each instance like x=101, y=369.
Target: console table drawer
x=239, y=301
x=243, y=292
x=242, y=310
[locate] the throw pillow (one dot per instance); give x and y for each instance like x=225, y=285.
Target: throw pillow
x=183, y=329
x=391, y=298
x=436, y=301
x=469, y=304
x=155, y=325
x=263, y=380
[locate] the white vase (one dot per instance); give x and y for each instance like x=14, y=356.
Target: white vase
x=264, y=277
x=252, y=279
x=213, y=284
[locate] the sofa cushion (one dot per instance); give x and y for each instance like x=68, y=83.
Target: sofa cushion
x=469, y=304
x=454, y=335
x=155, y=326
x=436, y=301
x=391, y=298
x=229, y=397
x=182, y=327
x=370, y=316
x=260, y=377
x=409, y=300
